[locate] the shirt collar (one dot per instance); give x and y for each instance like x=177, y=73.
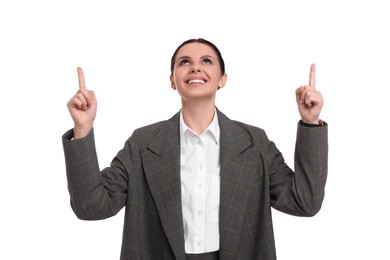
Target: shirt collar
x=213, y=128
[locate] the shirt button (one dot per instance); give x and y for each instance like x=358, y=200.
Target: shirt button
x=200, y=167
x=200, y=212
x=199, y=243
x=199, y=186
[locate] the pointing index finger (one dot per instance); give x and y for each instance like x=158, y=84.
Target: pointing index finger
x=312, y=77
x=80, y=75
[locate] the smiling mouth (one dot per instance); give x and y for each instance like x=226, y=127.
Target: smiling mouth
x=194, y=81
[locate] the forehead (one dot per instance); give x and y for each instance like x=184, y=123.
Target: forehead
x=196, y=50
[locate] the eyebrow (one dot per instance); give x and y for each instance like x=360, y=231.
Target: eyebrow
x=183, y=57
x=202, y=57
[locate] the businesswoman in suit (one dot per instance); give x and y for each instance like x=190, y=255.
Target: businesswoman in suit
x=198, y=185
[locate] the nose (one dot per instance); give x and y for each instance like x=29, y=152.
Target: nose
x=194, y=69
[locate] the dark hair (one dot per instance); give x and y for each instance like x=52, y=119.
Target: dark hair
x=199, y=40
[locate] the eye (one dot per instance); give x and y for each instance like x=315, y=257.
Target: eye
x=184, y=62
x=207, y=61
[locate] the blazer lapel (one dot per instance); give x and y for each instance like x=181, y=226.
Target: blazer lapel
x=161, y=162
x=237, y=175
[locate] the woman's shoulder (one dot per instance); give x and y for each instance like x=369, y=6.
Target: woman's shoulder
x=251, y=130
x=239, y=126
x=164, y=129
x=147, y=131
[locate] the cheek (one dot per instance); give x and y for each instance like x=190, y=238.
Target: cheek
x=178, y=74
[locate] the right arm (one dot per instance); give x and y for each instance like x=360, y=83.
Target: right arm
x=94, y=194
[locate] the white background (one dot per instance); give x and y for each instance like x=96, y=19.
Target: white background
x=125, y=48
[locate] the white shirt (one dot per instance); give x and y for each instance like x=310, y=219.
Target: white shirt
x=200, y=185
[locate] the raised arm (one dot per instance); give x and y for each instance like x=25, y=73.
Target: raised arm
x=301, y=192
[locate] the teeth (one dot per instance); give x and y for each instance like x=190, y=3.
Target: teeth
x=196, y=81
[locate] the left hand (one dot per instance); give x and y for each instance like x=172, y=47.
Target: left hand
x=309, y=100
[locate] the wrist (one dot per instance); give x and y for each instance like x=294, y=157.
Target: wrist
x=311, y=122
x=319, y=122
x=81, y=131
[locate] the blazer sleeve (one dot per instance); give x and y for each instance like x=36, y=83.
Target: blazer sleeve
x=95, y=194
x=300, y=192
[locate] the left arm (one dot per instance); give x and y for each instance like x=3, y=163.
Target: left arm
x=301, y=192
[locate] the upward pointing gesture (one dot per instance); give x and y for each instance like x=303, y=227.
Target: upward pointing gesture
x=309, y=99
x=81, y=78
x=82, y=107
x=312, y=76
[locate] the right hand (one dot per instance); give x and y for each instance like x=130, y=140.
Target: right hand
x=82, y=107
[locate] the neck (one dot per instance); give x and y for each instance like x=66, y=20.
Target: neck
x=198, y=115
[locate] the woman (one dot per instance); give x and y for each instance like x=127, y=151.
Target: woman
x=199, y=185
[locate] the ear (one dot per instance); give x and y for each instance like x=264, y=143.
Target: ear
x=222, y=81
x=172, y=82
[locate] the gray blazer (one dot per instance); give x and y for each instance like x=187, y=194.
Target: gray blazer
x=144, y=177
